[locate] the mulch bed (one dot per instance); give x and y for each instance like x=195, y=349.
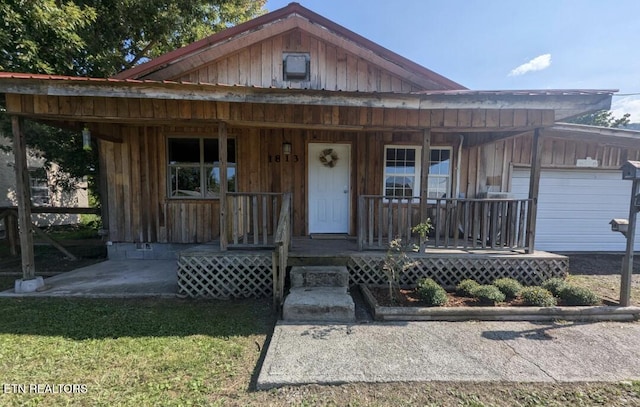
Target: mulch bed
x=409, y=298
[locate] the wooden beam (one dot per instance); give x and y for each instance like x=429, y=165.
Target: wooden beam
x=11, y=227
x=222, y=158
x=534, y=188
x=424, y=176
x=53, y=243
x=23, y=195
x=627, y=263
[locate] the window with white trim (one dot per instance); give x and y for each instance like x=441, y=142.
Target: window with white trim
x=439, y=173
x=194, y=167
x=402, y=171
x=402, y=167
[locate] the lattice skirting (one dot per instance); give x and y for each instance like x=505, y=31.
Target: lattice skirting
x=222, y=276
x=449, y=271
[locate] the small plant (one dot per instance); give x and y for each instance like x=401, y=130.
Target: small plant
x=431, y=292
x=396, y=263
x=422, y=229
x=509, y=287
x=574, y=295
x=488, y=294
x=555, y=285
x=537, y=296
x=466, y=287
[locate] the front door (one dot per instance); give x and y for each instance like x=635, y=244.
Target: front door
x=329, y=191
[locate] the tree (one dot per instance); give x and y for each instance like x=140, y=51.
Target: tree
x=603, y=118
x=99, y=38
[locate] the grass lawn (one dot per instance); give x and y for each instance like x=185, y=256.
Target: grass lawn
x=175, y=352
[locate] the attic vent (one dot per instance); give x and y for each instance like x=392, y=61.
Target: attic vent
x=296, y=66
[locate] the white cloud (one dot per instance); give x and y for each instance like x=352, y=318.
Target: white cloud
x=628, y=104
x=536, y=64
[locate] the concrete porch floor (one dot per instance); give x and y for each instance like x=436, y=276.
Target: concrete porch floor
x=112, y=279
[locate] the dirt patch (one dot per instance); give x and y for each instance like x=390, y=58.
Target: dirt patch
x=599, y=263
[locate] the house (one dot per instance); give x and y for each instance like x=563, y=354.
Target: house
x=290, y=126
x=43, y=194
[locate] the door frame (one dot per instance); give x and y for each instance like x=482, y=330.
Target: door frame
x=350, y=208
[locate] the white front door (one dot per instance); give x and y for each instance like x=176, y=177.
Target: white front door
x=329, y=190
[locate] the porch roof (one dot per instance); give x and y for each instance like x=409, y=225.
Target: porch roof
x=551, y=105
x=580, y=132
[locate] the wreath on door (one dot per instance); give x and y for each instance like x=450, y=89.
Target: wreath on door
x=328, y=157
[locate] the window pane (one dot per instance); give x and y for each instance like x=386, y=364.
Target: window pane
x=213, y=180
x=399, y=186
x=184, y=150
x=185, y=181
x=211, y=151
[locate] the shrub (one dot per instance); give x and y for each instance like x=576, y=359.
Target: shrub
x=574, y=295
x=509, y=287
x=555, y=285
x=466, y=287
x=489, y=294
x=537, y=296
x=431, y=292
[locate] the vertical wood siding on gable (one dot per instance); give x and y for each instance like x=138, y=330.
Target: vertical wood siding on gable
x=331, y=68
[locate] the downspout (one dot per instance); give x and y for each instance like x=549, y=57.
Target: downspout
x=459, y=166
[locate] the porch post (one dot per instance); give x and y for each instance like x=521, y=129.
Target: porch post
x=23, y=194
x=424, y=177
x=534, y=187
x=222, y=158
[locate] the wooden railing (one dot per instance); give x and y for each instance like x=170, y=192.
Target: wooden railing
x=254, y=217
x=9, y=215
x=457, y=223
x=281, y=252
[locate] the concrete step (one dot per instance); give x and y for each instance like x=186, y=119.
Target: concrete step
x=327, y=304
x=319, y=276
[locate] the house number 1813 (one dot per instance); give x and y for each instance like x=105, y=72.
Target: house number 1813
x=287, y=158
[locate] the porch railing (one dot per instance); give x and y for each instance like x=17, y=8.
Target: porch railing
x=457, y=223
x=280, y=256
x=254, y=217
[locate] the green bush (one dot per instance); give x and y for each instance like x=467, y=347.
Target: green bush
x=431, y=292
x=466, y=287
x=488, y=294
x=574, y=295
x=537, y=296
x=555, y=285
x=509, y=287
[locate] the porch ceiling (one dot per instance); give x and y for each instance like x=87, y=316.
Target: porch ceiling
x=93, y=100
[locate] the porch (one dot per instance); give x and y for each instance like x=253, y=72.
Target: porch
x=206, y=271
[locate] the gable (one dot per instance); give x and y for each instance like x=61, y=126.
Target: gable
x=330, y=67
x=252, y=53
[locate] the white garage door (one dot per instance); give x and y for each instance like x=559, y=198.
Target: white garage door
x=575, y=207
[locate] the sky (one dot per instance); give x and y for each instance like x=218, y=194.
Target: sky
x=506, y=44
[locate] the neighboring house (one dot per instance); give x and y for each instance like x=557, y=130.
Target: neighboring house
x=43, y=193
x=207, y=142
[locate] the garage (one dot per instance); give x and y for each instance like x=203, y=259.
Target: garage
x=575, y=207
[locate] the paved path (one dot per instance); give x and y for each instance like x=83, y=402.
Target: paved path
x=112, y=279
x=452, y=351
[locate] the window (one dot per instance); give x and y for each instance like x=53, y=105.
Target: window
x=194, y=167
x=439, y=173
x=402, y=172
x=39, y=187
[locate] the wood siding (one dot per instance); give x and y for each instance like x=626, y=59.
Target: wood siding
x=136, y=172
x=488, y=167
x=331, y=67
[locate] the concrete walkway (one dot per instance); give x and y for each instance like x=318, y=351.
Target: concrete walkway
x=451, y=351
x=112, y=279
